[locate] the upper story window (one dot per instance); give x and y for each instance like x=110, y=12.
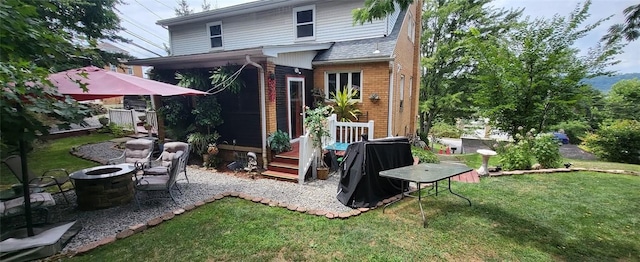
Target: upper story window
x=401, y=92
x=411, y=28
x=215, y=34
x=304, y=21
x=113, y=68
x=339, y=80
x=130, y=70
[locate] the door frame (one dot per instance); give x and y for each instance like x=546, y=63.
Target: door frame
x=302, y=89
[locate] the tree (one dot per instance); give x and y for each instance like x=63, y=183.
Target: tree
x=531, y=76
x=623, y=101
x=445, y=89
x=37, y=36
x=205, y=5
x=183, y=9
x=630, y=30
x=378, y=9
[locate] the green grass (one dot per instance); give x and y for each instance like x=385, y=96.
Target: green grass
x=54, y=154
x=475, y=161
x=578, y=216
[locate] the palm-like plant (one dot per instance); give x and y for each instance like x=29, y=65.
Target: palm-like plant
x=346, y=109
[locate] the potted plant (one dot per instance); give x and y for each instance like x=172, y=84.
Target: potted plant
x=346, y=107
x=200, y=144
x=316, y=123
x=279, y=142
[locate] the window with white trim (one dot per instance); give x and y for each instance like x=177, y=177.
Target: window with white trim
x=215, y=34
x=336, y=81
x=304, y=21
x=113, y=68
x=401, y=92
x=411, y=28
x=130, y=70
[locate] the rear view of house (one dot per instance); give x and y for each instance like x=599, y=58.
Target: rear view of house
x=292, y=49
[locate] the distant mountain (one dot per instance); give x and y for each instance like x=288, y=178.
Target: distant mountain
x=604, y=83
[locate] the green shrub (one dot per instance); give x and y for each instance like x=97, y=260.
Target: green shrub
x=618, y=142
x=515, y=156
x=279, y=141
x=442, y=129
x=118, y=130
x=546, y=151
x=574, y=129
x=425, y=156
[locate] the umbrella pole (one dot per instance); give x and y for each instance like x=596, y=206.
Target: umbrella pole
x=25, y=188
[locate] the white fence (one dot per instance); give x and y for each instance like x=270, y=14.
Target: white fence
x=129, y=120
x=342, y=132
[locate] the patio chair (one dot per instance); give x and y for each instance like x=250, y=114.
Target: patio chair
x=135, y=151
x=14, y=163
x=161, y=165
x=159, y=182
x=39, y=202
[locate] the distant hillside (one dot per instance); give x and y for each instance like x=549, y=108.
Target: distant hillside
x=604, y=83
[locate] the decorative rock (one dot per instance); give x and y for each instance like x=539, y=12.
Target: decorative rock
x=199, y=203
x=242, y=195
x=321, y=212
x=282, y=204
x=355, y=212
x=363, y=209
x=330, y=216
x=344, y=215
x=168, y=216
x=226, y=193
x=137, y=228
x=209, y=200
x=124, y=234
x=234, y=194
x=380, y=204
x=301, y=209
x=256, y=199
x=265, y=201
x=155, y=221
x=86, y=248
x=219, y=196
x=189, y=207
x=386, y=201
x=292, y=207
x=106, y=240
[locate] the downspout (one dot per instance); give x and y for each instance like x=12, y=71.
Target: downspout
x=263, y=111
x=390, y=110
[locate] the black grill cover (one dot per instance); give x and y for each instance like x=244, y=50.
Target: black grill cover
x=360, y=185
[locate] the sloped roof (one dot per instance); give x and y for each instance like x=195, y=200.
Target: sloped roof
x=363, y=48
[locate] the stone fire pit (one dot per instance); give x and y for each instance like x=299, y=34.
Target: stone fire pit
x=104, y=186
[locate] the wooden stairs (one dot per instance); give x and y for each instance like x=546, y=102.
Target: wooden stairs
x=285, y=165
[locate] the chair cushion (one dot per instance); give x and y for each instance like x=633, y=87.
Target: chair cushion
x=137, y=150
x=16, y=206
x=170, y=149
x=157, y=170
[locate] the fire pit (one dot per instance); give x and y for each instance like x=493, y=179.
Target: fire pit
x=104, y=186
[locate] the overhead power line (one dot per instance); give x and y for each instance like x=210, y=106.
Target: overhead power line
x=143, y=39
x=143, y=29
x=148, y=9
x=164, y=4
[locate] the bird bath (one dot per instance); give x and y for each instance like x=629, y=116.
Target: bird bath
x=486, y=154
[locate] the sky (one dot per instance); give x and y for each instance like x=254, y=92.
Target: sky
x=139, y=19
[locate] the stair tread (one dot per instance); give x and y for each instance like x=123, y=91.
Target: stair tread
x=284, y=165
x=280, y=174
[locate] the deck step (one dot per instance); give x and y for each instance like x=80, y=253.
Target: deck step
x=286, y=159
x=282, y=175
x=283, y=167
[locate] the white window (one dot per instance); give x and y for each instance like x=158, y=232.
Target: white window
x=130, y=70
x=215, y=34
x=335, y=81
x=304, y=21
x=410, y=88
x=401, y=92
x=113, y=68
x=411, y=28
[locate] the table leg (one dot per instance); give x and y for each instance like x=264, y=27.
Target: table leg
x=424, y=219
x=401, y=197
x=457, y=193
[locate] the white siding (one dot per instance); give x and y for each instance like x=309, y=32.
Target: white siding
x=297, y=59
x=334, y=23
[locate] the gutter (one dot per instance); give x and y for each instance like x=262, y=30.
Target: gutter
x=353, y=60
x=263, y=110
x=390, y=115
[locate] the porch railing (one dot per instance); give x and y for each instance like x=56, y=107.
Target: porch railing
x=344, y=132
x=128, y=119
x=306, y=157
x=347, y=132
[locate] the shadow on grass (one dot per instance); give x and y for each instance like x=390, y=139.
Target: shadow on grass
x=527, y=232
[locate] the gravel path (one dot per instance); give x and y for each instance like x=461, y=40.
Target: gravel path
x=319, y=194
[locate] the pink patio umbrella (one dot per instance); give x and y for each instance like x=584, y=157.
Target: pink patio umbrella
x=104, y=84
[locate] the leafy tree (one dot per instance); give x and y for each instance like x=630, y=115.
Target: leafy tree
x=37, y=36
x=445, y=89
x=630, y=30
x=617, y=142
x=206, y=6
x=623, y=100
x=377, y=9
x=183, y=9
x=530, y=77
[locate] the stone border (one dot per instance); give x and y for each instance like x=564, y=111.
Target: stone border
x=171, y=214
x=558, y=170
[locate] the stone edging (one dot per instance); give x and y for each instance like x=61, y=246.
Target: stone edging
x=557, y=170
x=170, y=215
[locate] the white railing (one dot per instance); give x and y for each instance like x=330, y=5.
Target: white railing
x=306, y=157
x=343, y=132
x=347, y=132
x=128, y=119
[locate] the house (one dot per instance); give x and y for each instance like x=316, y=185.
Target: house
x=290, y=47
x=135, y=70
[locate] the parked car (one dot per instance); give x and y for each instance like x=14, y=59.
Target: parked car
x=561, y=137
x=135, y=102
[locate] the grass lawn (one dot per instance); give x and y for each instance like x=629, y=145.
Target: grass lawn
x=581, y=216
x=54, y=154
